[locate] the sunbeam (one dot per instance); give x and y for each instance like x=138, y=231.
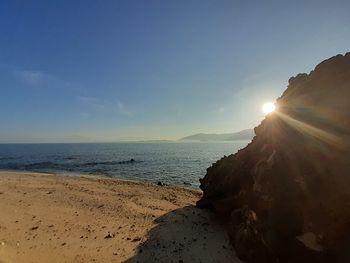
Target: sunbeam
x=308, y=129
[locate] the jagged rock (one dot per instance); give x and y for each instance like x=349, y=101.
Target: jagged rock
x=109, y=236
x=293, y=179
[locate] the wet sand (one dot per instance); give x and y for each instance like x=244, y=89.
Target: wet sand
x=56, y=218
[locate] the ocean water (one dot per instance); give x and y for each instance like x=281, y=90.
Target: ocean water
x=181, y=163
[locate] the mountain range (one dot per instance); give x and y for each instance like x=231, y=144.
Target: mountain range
x=247, y=134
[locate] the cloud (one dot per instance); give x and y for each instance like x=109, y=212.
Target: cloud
x=92, y=102
x=45, y=138
x=84, y=115
x=33, y=78
x=221, y=110
x=123, y=110
x=39, y=79
x=106, y=106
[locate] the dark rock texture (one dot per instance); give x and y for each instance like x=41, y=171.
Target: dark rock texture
x=286, y=196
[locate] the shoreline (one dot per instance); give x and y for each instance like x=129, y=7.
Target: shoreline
x=59, y=218
x=101, y=176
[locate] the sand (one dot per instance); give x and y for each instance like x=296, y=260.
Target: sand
x=56, y=218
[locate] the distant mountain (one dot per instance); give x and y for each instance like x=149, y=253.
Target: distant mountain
x=154, y=141
x=247, y=134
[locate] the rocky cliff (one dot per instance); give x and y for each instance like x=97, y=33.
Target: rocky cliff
x=286, y=196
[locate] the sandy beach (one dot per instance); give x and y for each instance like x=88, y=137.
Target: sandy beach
x=56, y=218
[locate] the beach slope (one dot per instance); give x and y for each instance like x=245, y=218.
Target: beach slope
x=56, y=218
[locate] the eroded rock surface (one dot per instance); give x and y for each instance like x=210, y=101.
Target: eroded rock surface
x=286, y=195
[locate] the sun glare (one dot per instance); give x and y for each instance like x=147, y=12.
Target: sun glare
x=268, y=107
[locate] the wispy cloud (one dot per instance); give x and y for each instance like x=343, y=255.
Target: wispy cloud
x=92, y=102
x=221, y=110
x=39, y=79
x=84, y=115
x=99, y=105
x=44, y=138
x=32, y=78
x=123, y=110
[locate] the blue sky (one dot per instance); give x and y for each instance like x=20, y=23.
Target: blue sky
x=73, y=71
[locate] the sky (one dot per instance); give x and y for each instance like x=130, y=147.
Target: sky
x=102, y=71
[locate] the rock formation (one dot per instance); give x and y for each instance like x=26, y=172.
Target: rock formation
x=286, y=196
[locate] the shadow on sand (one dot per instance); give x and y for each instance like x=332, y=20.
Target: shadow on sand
x=186, y=234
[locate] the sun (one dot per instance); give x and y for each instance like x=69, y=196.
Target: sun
x=268, y=107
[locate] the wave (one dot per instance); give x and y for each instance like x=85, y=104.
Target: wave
x=7, y=158
x=75, y=166
x=131, y=161
x=40, y=165
x=28, y=167
x=70, y=158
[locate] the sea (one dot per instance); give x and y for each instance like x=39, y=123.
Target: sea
x=173, y=163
